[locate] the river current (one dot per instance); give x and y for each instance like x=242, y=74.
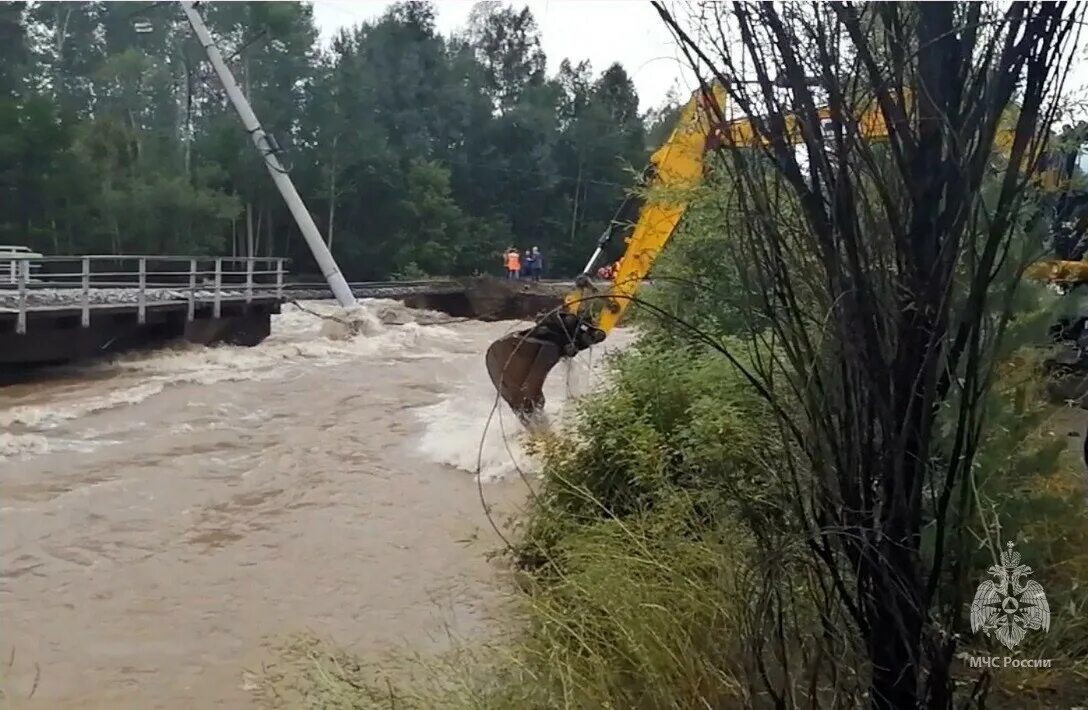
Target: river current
x=167, y=517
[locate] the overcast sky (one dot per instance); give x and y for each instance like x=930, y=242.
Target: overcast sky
x=602, y=31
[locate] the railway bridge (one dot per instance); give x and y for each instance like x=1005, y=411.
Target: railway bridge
x=63, y=308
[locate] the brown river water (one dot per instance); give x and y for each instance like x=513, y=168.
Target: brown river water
x=166, y=518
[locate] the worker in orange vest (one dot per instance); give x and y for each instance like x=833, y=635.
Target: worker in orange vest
x=513, y=263
x=608, y=271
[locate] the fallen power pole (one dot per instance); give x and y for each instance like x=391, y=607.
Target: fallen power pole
x=267, y=149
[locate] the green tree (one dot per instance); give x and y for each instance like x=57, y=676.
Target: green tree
x=409, y=147
x=508, y=47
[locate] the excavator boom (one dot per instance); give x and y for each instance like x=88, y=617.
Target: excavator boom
x=519, y=363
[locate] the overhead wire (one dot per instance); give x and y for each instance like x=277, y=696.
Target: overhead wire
x=472, y=166
x=267, y=151
x=247, y=45
x=144, y=10
x=204, y=79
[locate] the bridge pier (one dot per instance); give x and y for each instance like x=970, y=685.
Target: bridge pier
x=56, y=337
x=56, y=309
x=248, y=329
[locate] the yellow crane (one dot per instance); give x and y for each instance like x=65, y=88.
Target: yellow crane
x=519, y=363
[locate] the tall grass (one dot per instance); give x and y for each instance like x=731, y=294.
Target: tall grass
x=640, y=615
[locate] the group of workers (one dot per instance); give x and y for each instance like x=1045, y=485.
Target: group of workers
x=529, y=266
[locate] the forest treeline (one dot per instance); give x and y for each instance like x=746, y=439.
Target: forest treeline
x=416, y=153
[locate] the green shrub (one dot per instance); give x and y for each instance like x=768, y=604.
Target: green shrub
x=672, y=420
x=1030, y=489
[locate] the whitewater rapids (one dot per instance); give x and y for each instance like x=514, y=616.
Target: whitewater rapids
x=167, y=515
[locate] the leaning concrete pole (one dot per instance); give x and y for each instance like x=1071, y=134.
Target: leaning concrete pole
x=302, y=216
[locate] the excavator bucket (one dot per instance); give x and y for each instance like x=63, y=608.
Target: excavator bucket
x=518, y=365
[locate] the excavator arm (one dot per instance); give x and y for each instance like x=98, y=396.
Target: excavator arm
x=519, y=363
x=676, y=167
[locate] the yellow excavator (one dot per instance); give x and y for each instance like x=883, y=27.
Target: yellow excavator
x=519, y=363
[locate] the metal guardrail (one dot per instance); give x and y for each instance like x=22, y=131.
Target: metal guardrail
x=30, y=281
x=9, y=270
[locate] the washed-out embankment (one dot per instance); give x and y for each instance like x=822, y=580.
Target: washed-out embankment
x=491, y=299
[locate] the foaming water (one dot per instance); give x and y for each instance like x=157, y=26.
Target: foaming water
x=21, y=444
x=300, y=339
x=62, y=409
x=165, y=513
x=474, y=430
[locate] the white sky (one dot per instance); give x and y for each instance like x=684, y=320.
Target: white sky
x=602, y=31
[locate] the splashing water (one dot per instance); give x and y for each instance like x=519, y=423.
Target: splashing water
x=165, y=512
x=299, y=340
x=475, y=410
x=466, y=426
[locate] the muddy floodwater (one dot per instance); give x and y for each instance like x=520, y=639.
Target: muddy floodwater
x=167, y=517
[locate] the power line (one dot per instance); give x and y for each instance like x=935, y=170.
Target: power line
x=146, y=9
x=204, y=79
x=247, y=45
x=539, y=173
x=270, y=151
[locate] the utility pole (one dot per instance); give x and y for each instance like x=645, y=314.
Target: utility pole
x=267, y=149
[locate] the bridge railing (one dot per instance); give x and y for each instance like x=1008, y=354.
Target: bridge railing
x=29, y=281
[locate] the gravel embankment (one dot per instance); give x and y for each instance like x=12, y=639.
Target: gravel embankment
x=73, y=297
